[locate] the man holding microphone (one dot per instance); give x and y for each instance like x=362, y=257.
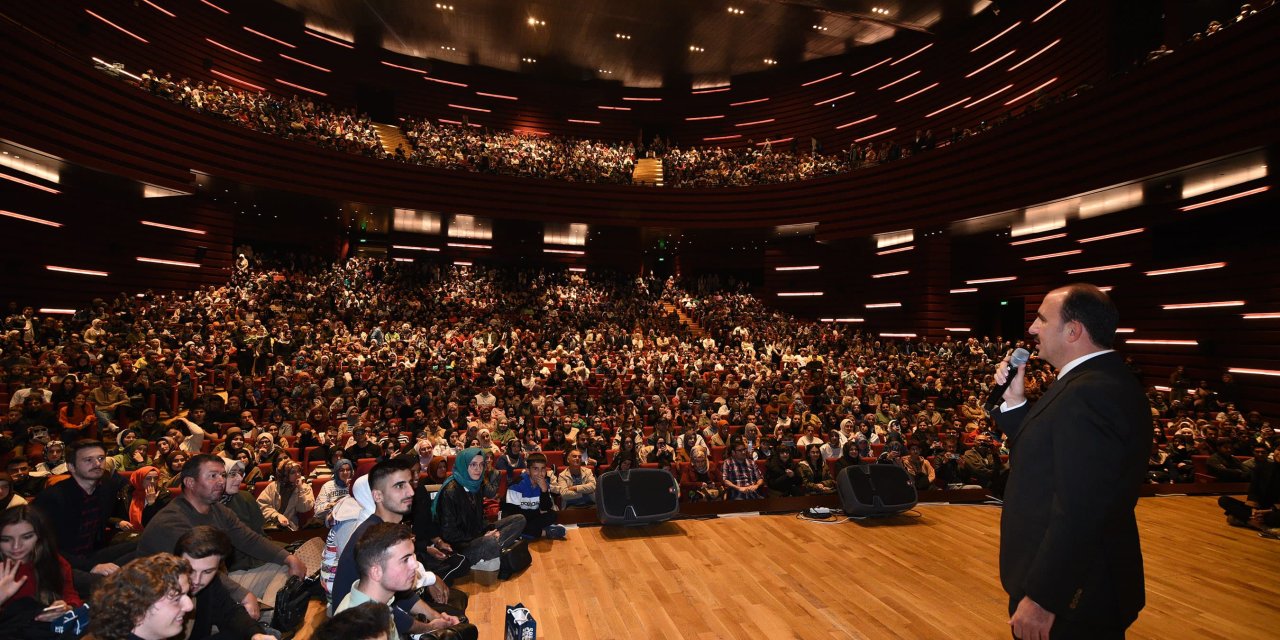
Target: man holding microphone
x=1070, y=558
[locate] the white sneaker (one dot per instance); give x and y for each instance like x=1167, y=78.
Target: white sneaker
x=491, y=564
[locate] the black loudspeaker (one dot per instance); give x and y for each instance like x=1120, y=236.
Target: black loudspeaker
x=638, y=496
x=876, y=490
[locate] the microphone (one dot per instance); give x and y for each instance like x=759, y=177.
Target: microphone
x=1019, y=358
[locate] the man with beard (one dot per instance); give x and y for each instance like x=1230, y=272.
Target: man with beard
x=393, y=493
x=80, y=511
x=204, y=480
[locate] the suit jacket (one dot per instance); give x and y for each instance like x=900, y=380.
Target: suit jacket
x=1068, y=536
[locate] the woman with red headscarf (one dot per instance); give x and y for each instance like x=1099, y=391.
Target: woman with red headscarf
x=147, y=498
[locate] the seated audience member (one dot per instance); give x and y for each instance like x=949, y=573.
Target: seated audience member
x=132, y=453
x=25, y=483
x=173, y=461
x=335, y=489
x=368, y=621
x=577, y=482
x=982, y=465
x=1261, y=510
x=834, y=445
x=242, y=503
x=233, y=440
x=813, y=469
x=80, y=511
x=459, y=508
x=348, y=514
x=436, y=555
x=146, y=497
x=948, y=468
x=387, y=489
x=204, y=549
x=147, y=599
x=268, y=453
x=810, y=437
x=919, y=470
x=287, y=498
x=742, y=479
x=532, y=497
x=700, y=479
x=1224, y=466
x=782, y=474
x=513, y=458
x=78, y=419
x=7, y=497
x=363, y=447
x=55, y=461
x=848, y=457
x=204, y=481
x=36, y=585
x=386, y=564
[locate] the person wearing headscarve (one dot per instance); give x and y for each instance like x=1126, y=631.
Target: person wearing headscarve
x=147, y=498
x=335, y=489
x=459, y=508
x=267, y=451
x=133, y=452
x=288, y=497
x=241, y=503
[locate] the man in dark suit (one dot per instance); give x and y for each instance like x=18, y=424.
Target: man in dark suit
x=1070, y=559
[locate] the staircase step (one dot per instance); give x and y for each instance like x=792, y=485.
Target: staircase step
x=647, y=171
x=391, y=137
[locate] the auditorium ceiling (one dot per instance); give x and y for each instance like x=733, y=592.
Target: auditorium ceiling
x=672, y=43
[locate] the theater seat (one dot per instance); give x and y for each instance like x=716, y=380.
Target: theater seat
x=364, y=465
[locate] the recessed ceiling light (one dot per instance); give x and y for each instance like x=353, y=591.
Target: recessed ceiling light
x=622, y=36
x=447, y=48
x=605, y=71
x=529, y=60
x=534, y=22
x=736, y=11
x=695, y=48
x=444, y=7
x=770, y=61
x=819, y=27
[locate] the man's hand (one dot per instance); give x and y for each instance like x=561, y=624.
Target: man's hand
x=442, y=621
x=104, y=569
x=124, y=525
x=495, y=534
x=1016, y=393
x=251, y=606
x=1031, y=621
x=442, y=545
x=295, y=566
x=436, y=553
x=262, y=636
x=439, y=590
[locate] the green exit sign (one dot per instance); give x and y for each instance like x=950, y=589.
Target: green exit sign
x=1004, y=303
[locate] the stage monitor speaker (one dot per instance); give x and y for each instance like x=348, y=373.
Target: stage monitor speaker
x=638, y=496
x=876, y=490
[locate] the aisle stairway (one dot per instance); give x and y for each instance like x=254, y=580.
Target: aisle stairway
x=647, y=171
x=697, y=331
x=390, y=137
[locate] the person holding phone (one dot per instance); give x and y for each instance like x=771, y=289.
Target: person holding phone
x=35, y=582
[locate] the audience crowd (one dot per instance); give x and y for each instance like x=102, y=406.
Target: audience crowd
x=469, y=147
x=512, y=389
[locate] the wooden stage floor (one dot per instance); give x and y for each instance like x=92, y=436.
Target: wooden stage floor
x=930, y=577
